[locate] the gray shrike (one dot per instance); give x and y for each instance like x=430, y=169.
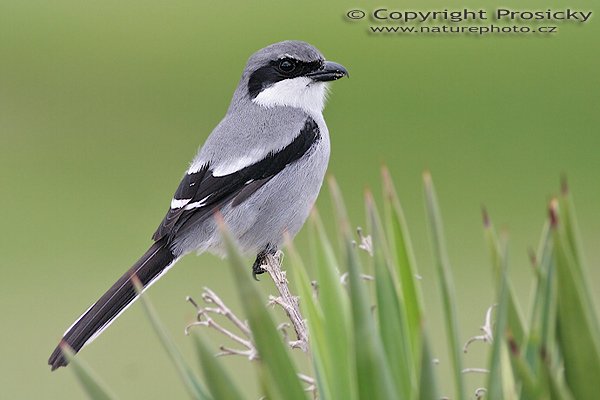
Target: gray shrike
x=262, y=168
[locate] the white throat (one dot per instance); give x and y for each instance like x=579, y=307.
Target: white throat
x=300, y=92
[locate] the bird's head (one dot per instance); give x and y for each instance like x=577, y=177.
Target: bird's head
x=292, y=74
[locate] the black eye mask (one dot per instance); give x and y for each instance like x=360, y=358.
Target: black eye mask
x=278, y=70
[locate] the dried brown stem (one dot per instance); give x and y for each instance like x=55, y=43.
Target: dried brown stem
x=204, y=317
x=287, y=301
x=241, y=335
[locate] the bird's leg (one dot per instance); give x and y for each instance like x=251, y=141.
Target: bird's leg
x=261, y=259
x=257, y=269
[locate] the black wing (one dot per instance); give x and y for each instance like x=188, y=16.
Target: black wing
x=201, y=193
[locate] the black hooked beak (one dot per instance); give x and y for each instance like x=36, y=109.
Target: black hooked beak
x=330, y=71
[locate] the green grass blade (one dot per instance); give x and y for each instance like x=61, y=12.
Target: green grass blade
x=446, y=285
x=542, y=319
x=514, y=318
x=91, y=384
x=326, y=369
x=190, y=381
x=405, y=263
x=530, y=390
x=217, y=379
x=556, y=385
x=495, y=382
x=428, y=384
x=571, y=238
x=373, y=373
x=339, y=212
x=515, y=321
x=333, y=301
x=509, y=385
x=576, y=322
x=393, y=326
x=547, y=290
x=569, y=222
x=275, y=364
x=541, y=263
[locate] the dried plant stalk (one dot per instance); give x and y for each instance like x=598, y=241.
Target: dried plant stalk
x=242, y=336
x=288, y=302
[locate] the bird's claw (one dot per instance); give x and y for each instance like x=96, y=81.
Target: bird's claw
x=257, y=267
x=257, y=270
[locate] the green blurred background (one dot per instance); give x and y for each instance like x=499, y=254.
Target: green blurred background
x=103, y=104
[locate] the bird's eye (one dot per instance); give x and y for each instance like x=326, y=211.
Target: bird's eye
x=286, y=65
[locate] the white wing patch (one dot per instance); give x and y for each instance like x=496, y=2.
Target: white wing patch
x=251, y=156
x=300, y=92
x=178, y=203
x=197, y=204
x=234, y=166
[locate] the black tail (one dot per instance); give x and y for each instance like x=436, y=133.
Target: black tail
x=98, y=317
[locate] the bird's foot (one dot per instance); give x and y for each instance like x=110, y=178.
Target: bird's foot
x=257, y=267
x=262, y=258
